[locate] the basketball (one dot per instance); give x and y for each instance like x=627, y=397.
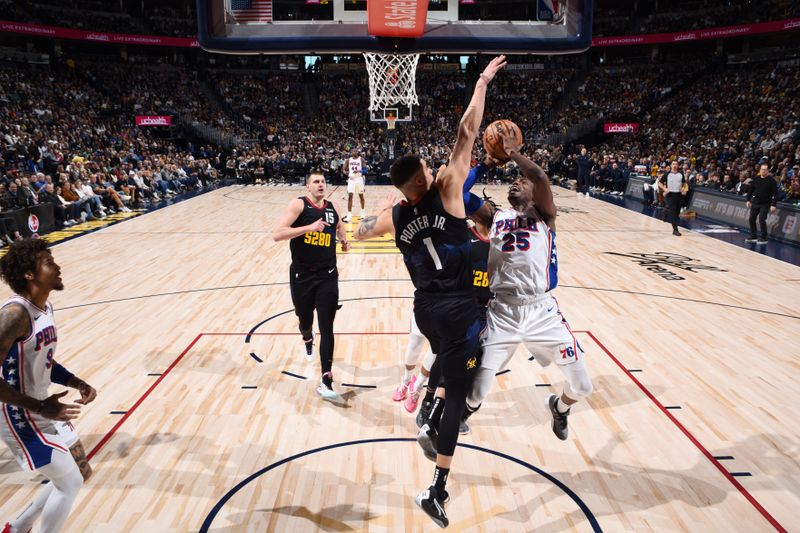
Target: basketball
x=493, y=138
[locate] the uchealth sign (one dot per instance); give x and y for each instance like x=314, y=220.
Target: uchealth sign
x=153, y=120
x=621, y=127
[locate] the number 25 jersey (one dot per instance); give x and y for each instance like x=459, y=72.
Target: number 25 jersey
x=522, y=255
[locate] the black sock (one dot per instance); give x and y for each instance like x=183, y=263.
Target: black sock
x=436, y=413
x=439, y=481
x=327, y=379
x=470, y=410
x=429, y=393
x=308, y=335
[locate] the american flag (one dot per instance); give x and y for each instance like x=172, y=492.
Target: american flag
x=252, y=10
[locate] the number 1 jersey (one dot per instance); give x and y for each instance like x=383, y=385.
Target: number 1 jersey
x=435, y=246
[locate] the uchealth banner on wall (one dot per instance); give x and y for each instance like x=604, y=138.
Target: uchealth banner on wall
x=397, y=18
x=153, y=120
x=741, y=30
x=621, y=127
x=55, y=32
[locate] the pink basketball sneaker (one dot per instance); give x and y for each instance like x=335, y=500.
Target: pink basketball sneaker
x=400, y=393
x=413, y=395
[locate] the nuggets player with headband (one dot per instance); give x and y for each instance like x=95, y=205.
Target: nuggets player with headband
x=34, y=424
x=311, y=224
x=355, y=183
x=431, y=232
x=523, y=270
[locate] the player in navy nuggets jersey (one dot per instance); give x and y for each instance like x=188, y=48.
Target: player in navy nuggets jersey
x=312, y=224
x=34, y=424
x=431, y=231
x=523, y=270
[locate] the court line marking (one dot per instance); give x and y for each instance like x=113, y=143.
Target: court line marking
x=743, y=491
x=221, y=503
x=371, y=280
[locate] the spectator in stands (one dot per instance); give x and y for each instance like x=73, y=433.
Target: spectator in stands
x=793, y=191
x=13, y=198
x=85, y=192
x=47, y=196
x=727, y=184
x=77, y=207
x=31, y=195
x=743, y=187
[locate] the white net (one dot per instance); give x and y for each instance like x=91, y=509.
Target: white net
x=392, y=80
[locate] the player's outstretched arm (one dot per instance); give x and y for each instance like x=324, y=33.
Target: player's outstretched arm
x=377, y=225
x=542, y=193
x=451, y=181
x=284, y=230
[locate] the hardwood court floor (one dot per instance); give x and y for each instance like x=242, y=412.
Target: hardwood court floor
x=156, y=313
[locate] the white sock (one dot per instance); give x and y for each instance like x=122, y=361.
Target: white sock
x=349, y=215
x=561, y=407
x=419, y=383
x=363, y=213
x=25, y=521
x=65, y=490
x=406, y=375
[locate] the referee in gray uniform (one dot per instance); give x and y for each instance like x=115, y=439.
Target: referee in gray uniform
x=671, y=184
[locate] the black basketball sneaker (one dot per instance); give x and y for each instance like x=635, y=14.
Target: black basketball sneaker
x=424, y=413
x=430, y=502
x=427, y=441
x=559, y=419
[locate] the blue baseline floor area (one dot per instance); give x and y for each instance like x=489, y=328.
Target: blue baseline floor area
x=779, y=250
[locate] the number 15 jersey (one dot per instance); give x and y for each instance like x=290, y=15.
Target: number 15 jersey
x=522, y=255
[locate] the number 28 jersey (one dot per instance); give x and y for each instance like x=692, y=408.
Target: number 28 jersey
x=522, y=255
x=435, y=246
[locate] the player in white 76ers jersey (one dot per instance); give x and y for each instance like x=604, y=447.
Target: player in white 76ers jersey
x=523, y=270
x=355, y=183
x=34, y=424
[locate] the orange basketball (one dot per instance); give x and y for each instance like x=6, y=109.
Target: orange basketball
x=493, y=138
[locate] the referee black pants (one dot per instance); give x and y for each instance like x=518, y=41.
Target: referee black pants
x=318, y=290
x=674, y=206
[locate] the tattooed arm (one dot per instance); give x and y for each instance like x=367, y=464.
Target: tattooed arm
x=79, y=454
x=15, y=324
x=379, y=225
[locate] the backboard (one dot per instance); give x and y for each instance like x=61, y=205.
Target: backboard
x=340, y=27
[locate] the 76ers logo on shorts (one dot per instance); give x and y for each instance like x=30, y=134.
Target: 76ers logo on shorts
x=33, y=223
x=567, y=351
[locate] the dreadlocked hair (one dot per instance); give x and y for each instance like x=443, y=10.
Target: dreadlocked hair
x=488, y=200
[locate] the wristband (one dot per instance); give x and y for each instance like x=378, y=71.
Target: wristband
x=60, y=375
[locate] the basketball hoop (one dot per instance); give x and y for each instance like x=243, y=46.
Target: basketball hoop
x=392, y=80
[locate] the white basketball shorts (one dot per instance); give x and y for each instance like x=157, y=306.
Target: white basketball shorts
x=33, y=439
x=355, y=184
x=537, y=324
